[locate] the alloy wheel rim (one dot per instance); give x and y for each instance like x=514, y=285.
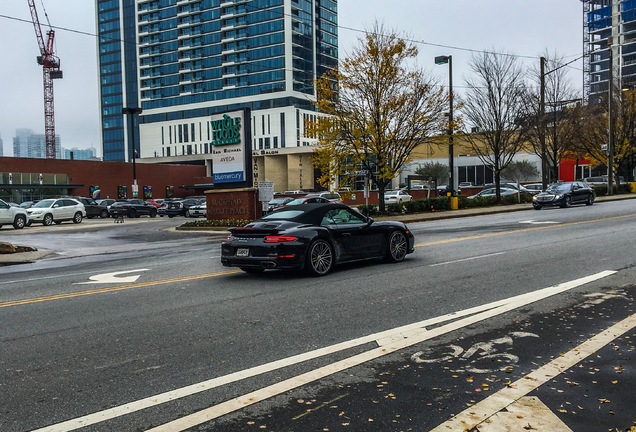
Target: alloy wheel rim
x=398, y=246
x=321, y=257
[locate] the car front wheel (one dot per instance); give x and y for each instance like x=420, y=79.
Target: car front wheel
x=132, y=214
x=590, y=200
x=319, y=258
x=103, y=214
x=396, y=247
x=153, y=214
x=77, y=218
x=19, y=222
x=536, y=206
x=567, y=202
x=48, y=220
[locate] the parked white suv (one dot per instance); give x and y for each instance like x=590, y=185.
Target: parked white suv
x=16, y=216
x=56, y=210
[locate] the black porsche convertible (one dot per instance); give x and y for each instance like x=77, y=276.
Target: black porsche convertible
x=314, y=238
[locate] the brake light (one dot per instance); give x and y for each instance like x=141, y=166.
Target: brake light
x=279, y=239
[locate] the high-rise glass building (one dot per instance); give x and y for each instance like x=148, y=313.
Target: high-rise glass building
x=31, y=145
x=609, y=33
x=182, y=61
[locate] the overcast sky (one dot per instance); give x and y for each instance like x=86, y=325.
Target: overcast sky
x=449, y=27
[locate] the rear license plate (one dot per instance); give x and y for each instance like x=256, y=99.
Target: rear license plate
x=242, y=252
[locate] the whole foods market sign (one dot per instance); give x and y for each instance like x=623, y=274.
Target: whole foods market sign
x=231, y=156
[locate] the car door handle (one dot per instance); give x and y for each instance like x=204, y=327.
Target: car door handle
x=346, y=234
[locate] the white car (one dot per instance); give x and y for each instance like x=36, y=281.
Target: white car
x=56, y=210
x=398, y=196
x=197, y=210
x=492, y=192
x=16, y=216
x=534, y=188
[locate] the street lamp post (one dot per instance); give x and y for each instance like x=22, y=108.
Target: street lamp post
x=132, y=112
x=451, y=156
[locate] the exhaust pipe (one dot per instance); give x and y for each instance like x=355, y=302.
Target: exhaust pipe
x=268, y=264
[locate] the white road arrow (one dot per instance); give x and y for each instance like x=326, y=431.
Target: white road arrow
x=114, y=277
x=534, y=222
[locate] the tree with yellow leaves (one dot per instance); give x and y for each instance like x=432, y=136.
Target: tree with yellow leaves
x=378, y=107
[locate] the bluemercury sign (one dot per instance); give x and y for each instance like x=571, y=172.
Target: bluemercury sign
x=231, y=155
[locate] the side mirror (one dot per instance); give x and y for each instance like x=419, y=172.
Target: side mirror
x=370, y=220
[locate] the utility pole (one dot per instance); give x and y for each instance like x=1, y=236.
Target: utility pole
x=610, y=112
x=544, y=157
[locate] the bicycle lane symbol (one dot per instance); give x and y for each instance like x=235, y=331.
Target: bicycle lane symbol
x=481, y=357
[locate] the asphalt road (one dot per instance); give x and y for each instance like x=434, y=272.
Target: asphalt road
x=133, y=326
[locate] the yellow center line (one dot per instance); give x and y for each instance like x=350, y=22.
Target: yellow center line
x=113, y=289
x=522, y=230
x=223, y=273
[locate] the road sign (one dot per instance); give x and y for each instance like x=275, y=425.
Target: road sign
x=265, y=191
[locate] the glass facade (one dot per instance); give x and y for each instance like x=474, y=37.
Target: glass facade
x=170, y=57
x=601, y=31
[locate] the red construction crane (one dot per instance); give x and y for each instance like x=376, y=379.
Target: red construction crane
x=51, y=69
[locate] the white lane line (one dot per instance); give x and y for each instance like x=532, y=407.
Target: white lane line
x=482, y=411
x=528, y=413
x=260, y=395
x=384, y=339
x=467, y=259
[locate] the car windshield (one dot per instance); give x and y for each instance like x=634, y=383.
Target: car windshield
x=284, y=214
x=297, y=201
x=44, y=203
x=561, y=187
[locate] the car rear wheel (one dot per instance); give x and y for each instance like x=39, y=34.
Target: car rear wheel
x=396, y=247
x=590, y=200
x=319, y=258
x=132, y=214
x=77, y=218
x=48, y=220
x=19, y=222
x=567, y=202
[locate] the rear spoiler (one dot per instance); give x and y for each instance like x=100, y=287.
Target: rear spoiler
x=253, y=231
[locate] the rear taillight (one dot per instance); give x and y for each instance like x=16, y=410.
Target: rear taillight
x=279, y=239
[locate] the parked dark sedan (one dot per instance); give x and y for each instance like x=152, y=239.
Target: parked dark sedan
x=314, y=237
x=564, y=194
x=178, y=207
x=133, y=208
x=93, y=208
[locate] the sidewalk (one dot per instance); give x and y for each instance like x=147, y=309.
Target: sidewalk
x=29, y=257
x=475, y=211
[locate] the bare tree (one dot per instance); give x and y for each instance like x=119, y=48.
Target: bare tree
x=591, y=128
x=551, y=130
x=494, y=105
x=379, y=109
